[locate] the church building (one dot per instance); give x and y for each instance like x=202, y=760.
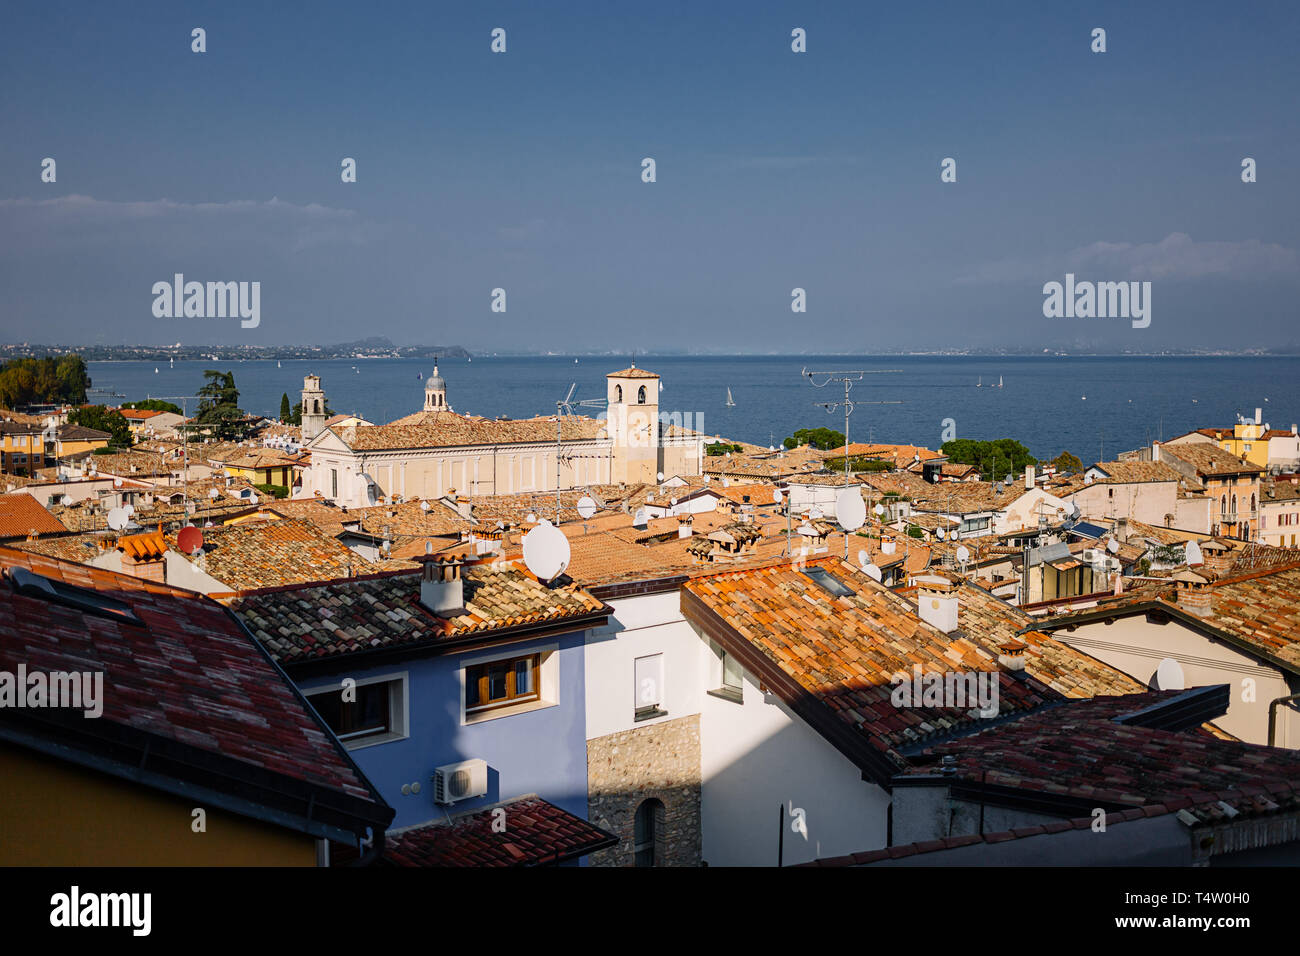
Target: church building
x=437, y=451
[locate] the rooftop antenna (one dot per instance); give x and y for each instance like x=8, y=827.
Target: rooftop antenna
x=847, y=378
x=565, y=407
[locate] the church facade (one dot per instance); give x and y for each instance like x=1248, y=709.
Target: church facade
x=437, y=452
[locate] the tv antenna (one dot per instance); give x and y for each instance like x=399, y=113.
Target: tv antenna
x=565, y=407
x=847, y=378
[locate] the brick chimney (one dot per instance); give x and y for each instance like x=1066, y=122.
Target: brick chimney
x=441, y=588
x=936, y=602
x=1194, y=595
x=144, y=556
x=1218, y=557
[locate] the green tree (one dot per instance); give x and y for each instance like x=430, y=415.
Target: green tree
x=720, y=448
x=219, y=411
x=823, y=438
x=105, y=420
x=993, y=458
x=155, y=405
x=1067, y=464
x=50, y=380
x=286, y=411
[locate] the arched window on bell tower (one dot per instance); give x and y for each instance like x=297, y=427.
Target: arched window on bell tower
x=618, y=392
x=640, y=395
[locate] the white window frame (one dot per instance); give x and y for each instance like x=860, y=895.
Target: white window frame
x=548, y=680
x=399, y=708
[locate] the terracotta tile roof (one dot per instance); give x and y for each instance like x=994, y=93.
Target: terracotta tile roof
x=188, y=675
x=831, y=659
x=134, y=463
x=143, y=547
x=1210, y=460
x=901, y=456
x=137, y=414
x=469, y=432
x=273, y=553
x=80, y=433
x=536, y=833
x=262, y=458
x=1080, y=750
x=632, y=372
x=21, y=515
x=992, y=622
x=383, y=610
x=1279, y=492
x=1130, y=472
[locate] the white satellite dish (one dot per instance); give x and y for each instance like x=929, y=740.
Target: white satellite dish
x=850, y=509
x=863, y=559
x=942, y=534
x=546, y=551
x=1074, y=509
x=531, y=518
x=117, y=519
x=873, y=572
x=66, y=500
x=963, y=554
x=1169, y=675
x=640, y=518
x=586, y=507
x=661, y=476
x=815, y=512
x=777, y=496
x=1192, y=554
x=117, y=482
x=879, y=509
x=213, y=493
x=1112, y=546
x=129, y=509
x=424, y=506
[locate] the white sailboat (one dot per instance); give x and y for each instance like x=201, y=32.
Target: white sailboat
x=999, y=381
x=277, y=363
x=730, y=401
x=980, y=383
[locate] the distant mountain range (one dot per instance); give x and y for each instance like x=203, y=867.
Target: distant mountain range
x=374, y=347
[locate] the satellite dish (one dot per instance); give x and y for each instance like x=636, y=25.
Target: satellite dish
x=941, y=534
x=963, y=554
x=212, y=493
x=546, y=551
x=117, y=519
x=586, y=507
x=531, y=519
x=661, y=476
x=1074, y=509
x=117, y=482
x=640, y=518
x=1192, y=554
x=66, y=500
x=1112, y=546
x=424, y=506
x=863, y=559
x=873, y=572
x=777, y=496
x=1169, y=675
x=129, y=509
x=879, y=509
x=850, y=509
x=190, y=540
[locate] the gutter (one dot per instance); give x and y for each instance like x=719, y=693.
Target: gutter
x=1272, y=715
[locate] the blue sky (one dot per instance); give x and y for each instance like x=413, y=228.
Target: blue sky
x=775, y=170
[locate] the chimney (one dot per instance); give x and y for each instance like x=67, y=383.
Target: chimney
x=441, y=588
x=1259, y=415
x=1011, y=656
x=1029, y=477
x=1218, y=558
x=1194, y=595
x=487, y=542
x=1155, y=451
x=685, y=526
x=936, y=602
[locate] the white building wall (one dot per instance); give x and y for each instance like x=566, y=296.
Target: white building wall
x=758, y=756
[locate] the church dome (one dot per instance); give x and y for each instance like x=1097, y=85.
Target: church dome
x=435, y=382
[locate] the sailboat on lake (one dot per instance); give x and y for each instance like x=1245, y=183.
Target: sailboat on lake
x=731, y=403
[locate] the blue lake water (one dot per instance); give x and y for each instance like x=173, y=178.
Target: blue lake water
x=1093, y=407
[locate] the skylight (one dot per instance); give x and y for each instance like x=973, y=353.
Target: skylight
x=31, y=584
x=828, y=582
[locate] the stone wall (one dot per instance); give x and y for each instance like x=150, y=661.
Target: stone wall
x=659, y=761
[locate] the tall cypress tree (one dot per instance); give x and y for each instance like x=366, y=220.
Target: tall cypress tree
x=285, y=409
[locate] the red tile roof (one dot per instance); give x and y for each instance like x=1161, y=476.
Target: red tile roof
x=188, y=674
x=21, y=514
x=536, y=833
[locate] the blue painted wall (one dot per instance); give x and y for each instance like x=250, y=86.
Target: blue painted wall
x=543, y=751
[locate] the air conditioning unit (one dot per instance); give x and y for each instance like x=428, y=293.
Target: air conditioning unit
x=459, y=781
x=1092, y=556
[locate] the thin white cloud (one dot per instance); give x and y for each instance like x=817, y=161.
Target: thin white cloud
x=1177, y=256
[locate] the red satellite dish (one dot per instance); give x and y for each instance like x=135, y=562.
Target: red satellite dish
x=190, y=540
